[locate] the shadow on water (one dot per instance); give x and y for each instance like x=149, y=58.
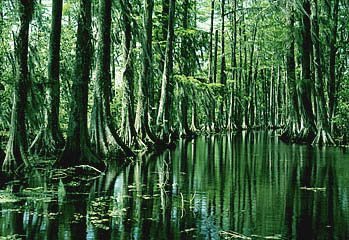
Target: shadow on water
x=248, y=185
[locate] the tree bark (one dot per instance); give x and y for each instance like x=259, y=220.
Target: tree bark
x=77, y=148
x=222, y=118
x=232, y=106
x=103, y=133
x=253, y=104
x=244, y=71
x=142, y=123
x=212, y=120
x=271, y=98
x=50, y=138
x=165, y=105
x=323, y=135
x=16, y=150
x=211, y=67
x=165, y=7
x=250, y=83
x=332, y=90
x=239, y=88
x=187, y=59
x=194, y=111
x=211, y=43
x=128, y=131
x=293, y=119
x=307, y=133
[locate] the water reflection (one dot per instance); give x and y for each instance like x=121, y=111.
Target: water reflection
x=249, y=184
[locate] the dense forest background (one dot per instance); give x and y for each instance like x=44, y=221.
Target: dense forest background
x=88, y=80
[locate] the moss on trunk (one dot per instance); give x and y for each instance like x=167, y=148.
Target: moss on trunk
x=77, y=149
x=16, y=150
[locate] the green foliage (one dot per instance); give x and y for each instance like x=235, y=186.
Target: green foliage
x=216, y=87
x=190, y=33
x=261, y=26
x=190, y=80
x=341, y=119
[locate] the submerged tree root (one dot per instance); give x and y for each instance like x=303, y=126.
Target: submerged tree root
x=157, y=144
x=46, y=143
x=289, y=133
x=89, y=168
x=306, y=135
x=323, y=137
x=233, y=235
x=15, y=156
x=84, y=156
x=104, y=137
x=188, y=134
x=231, y=127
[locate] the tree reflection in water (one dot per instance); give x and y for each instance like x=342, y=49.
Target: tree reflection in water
x=250, y=184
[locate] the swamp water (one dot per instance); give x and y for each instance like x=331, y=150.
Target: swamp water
x=249, y=186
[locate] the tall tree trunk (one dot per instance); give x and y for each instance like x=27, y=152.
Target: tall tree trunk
x=232, y=106
x=250, y=83
x=143, y=102
x=254, y=96
x=165, y=7
x=265, y=96
x=271, y=98
x=165, y=4
x=104, y=137
x=194, y=111
x=332, y=91
x=196, y=64
x=239, y=91
x=245, y=71
x=276, y=100
x=212, y=121
x=50, y=138
x=211, y=71
x=53, y=94
x=163, y=120
x=16, y=149
x=77, y=148
x=222, y=117
x=323, y=135
x=307, y=133
x=293, y=119
x=211, y=43
x=187, y=59
x=128, y=131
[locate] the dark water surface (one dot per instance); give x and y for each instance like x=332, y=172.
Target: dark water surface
x=249, y=186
